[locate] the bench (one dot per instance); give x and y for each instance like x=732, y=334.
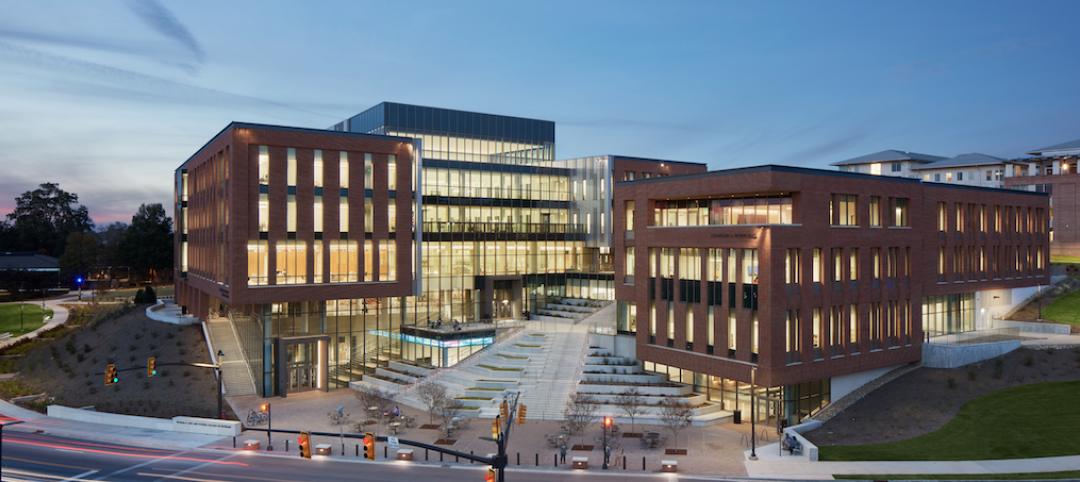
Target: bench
x=580, y=462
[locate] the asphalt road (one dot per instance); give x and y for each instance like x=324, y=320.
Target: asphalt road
x=41, y=457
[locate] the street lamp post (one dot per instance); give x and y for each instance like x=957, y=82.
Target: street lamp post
x=1040, y=302
x=753, y=415
x=79, y=281
x=220, y=355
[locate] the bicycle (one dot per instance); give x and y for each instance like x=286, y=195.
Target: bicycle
x=257, y=418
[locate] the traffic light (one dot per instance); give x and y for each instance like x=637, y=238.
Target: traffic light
x=490, y=475
x=502, y=410
x=369, y=446
x=151, y=367
x=495, y=428
x=305, y=445
x=521, y=414
x=110, y=375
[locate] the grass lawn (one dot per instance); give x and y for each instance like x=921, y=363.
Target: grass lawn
x=1061, y=258
x=1070, y=474
x=30, y=320
x=1019, y=422
x=1065, y=309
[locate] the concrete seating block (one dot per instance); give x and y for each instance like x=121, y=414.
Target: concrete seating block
x=669, y=465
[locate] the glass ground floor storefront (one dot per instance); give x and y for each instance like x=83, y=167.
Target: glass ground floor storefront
x=363, y=334
x=775, y=405
x=942, y=315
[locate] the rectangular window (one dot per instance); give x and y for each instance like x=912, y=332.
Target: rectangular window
x=667, y=262
x=960, y=176
x=291, y=262
x=343, y=261
x=317, y=214
x=793, y=336
x=264, y=165
x=290, y=171
x=653, y=263
x=257, y=263
x=369, y=218
x=369, y=263
x=792, y=266
x=937, y=177
x=948, y=177
x=732, y=266
x=875, y=260
x=690, y=264
x=391, y=172
x=845, y=208
x=716, y=265
x=343, y=214
x=652, y=320
x=629, y=215
x=369, y=179
x=838, y=270
x=941, y=217
x=343, y=171
x=317, y=168
x=854, y=264
x=264, y=212
x=671, y=323
x=875, y=211
x=853, y=328
x=753, y=333
x=818, y=329
x=818, y=268
x=317, y=248
x=387, y=260
x=689, y=323
x=290, y=213
x=901, y=216
x=710, y=330
x=941, y=264
x=896, y=166
x=731, y=330
x=629, y=264
x=750, y=266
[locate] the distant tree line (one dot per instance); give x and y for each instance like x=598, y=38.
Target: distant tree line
x=49, y=220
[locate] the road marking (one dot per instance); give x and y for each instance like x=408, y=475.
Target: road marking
x=80, y=476
x=76, y=467
x=197, y=467
x=148, y=462
x=264, y=479
x=177, y=477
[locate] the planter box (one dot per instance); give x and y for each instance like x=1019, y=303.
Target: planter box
x=383, y=384
x=411, y=369
x=634, y=378
x=499, y=360
x=395, y=375
x=612, y=369
x=644, y=391
x=476, y=392
x=501, y=385
x=478, y=404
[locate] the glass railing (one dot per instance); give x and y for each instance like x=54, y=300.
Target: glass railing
x=518, y=228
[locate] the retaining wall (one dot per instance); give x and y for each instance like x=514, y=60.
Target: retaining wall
x=204, y=426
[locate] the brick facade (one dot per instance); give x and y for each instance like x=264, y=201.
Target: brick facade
x=915, y=268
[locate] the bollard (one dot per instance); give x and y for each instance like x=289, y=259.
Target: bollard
x=286, y=445
x=234, y=442
x=556, y=457
x=440, y=456
x=624, y=462
x=457, y=459
x=470, y=453
x=357, y=450
x=519, y=458
x=643, y=463
x=385, y=452
x=538, y=459
x=426, y=458
x=342, y=449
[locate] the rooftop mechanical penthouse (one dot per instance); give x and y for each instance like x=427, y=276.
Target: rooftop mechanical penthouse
x=810, y=281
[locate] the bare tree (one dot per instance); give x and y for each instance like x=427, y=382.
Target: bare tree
x=677, y=415
x=433, y=395
x=580, y=411
x=381, y=400
x=448, y=409
x=632, y=404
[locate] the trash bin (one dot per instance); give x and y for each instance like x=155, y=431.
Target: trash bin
x=738, y=416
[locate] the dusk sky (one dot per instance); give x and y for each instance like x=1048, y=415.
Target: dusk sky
x=109, y=98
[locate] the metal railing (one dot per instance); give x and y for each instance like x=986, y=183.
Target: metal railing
x=515, y=228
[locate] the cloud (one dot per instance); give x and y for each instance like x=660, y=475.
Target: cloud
x=164, y=22
x=139, y=83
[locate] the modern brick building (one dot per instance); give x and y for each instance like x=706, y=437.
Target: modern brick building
x=1053, y=170
x=812, y=279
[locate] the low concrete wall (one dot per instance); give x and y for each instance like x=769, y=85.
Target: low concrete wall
x=842, y=385
x=152, y=313
x=953, y=356
x=204, y=426
x=1031, y=327
x=809, y=449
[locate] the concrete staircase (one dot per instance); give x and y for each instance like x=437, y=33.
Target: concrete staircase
x=552, y=372
x=236, y=375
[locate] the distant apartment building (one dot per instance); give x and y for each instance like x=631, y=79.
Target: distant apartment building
x=1053, y=170
x=811, y=282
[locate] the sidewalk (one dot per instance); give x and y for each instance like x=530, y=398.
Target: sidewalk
x=59, y=317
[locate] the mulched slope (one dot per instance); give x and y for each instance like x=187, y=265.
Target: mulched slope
x=921, y=401
x=128, y=341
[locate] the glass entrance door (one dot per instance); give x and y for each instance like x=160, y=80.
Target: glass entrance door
x=302, y=367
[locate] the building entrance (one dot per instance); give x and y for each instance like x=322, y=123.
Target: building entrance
x=301, y=364
x=302, y=368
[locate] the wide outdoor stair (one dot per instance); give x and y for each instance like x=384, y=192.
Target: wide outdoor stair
x=606, y=377
x=236, y=377
x=552, y=373
x=567, y=310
